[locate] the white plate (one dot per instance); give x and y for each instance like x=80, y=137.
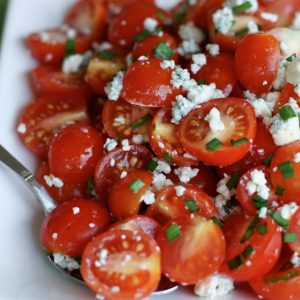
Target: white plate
x=25, y=273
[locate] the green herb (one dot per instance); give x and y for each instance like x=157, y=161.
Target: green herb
x=262, y=229
x=239, y=142
x=91, y=189
x=259, y=202
x=191, y=205
x=167, y=157
x=47, y=253
x=70, y=47
x=117, y=139
x=235, y=263
x=217, y=221
x=286, y=169
x=152, y=165
x=241, y=8
x=164, y=18
x=286, y=112
x=172, y=232
x=107, y=55
x=248, y=251
x=214, y=144
x=229, y=205
x=181, y=13
x=290, y=275
x=163, y=50
x=290, y=237
x=201, y=82
x=138, y=38
x=285, y=224
x=292, y=57
x=279, y=190
x=268, y=159
x=233, y=181
x=138, y=123
x=249, y=230
x=242, y=32
x=136, y=185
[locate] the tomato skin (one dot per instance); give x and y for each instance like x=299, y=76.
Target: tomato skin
x=287, y=92
x=291, y=185
x=73, y=230
x=156, y=92
x=74, y=152
x=295, y=228
x=126, y=253
x=256, y=67
x=117, y=6
x=196, y=253
x=131, y=201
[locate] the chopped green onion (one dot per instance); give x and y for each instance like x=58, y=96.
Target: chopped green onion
x=233, y=181
x=172, y=232
x=214, y=144
x=181, y=13
x=91, y=189
x=241, y=8
x=152, y=165
x=167, y=157
x=285, y=224
x=290, y=237
x=138, y=123
x=248, y=251
x=292, y=57
x=191, y=205
x=249, y=230
x=164, y=18
x=242, y=32
x=239, y=142
x=47, y=253
x=163, y=50
x=279, y=190
x=286, y=169
x=217, y=221
x=290, y=275
x=229, y=205
x=107, y=55
x=268, y=159
x=262, y=229
x=286, y=112
x=201, y=82
x=70, y=47
x=142, y=35
x=235, y=263
x=259, y=202
x=136, y=185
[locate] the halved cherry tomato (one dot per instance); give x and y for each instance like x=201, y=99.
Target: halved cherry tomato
x=191, y=249
x=249, y=253
x=67, y=192
x=287, y=92
x=256, y=67
x=285, y=172
x=47, y=115
x=132, y=188
x=164, y=139
x=147, y=84
x=74, y=152
x=295, y=228
x=237, y=137
x=121, y=265
x=49, y=79
x=70, y=226
x=106, y=173
x=168, y=205
x=122, y=119
x=117, y=6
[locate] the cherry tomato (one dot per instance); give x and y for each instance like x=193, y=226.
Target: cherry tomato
x=44, y=117
x=123, y=120
x=236, y=138
x=287, y=92
x=147, y=84
x=191, y=249
x=164, y=139
x=132, y=188
x=117, y=6
x=121, y=265
x=70, y=226
x=49, y=79
x=107, y=173
x=74, y=152
x=170, y=204
x=285, y=172
x=295, y=229
x=249, y=253
x=256, y=67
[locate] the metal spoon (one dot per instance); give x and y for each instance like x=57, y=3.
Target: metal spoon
x=48, y=204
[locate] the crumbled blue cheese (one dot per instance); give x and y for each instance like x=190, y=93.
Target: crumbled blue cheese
x=92, y=225
x=123, y=174
x=121, y=120
x=296, y=21
x=223, y=19
x=72, y=63
x=125, y=145
x=110, y=144
x=199, y=60
x=253, y=8
x=51, y=180
x=213, y=49
x=269, y=17
x=293, y=72
x=143, y=57
x=160, y=180
x=165, y=64
x=113, y=88
x=150, y=24
x=21, y=128
x=295, y=260
x=261, y=107
x=180, y=77
x=140, y=138
x=65, y=262
x=297, y=157
x=54, y=236
x=263, y=212
x=258, y=184
x=280, y=79
x=179, y=189
x=287, y=210
x=222, y=188
x=185, y=174
x=102, y=46
x=181, y=107
x=148, y=198
x=112, y=162
x=214, y=120
x=76, y=210
x=188, y=47
x=252, y=27
x=189, y=31
x=162, y=166
x=202, y=93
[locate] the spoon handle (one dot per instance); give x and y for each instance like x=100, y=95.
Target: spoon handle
x=44, y=199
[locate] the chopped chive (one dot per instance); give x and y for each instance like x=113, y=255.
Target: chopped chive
x=279, y=190
x=47, y=253
x=229, y=205
x=259, y=202
x=268, y=159
x=241, y=8
x=285, y=224
x=242, y=32
x=136, y=185
x=163, y=50
x=90, y=187
x=107, y=55
x=191, y=205
x=217, y=221
x=201, y=82
x=249, y=230
x=117, y=139
x=248, y=251
x=142, y=35
x=164, y=18
x=239, y=142
x=152, y=165
x=181, y=13
x=233, y=181
x=70, y=47
x=167, y=157
x=286, y=112
x=290, y=275
x=138, y=123
x=262, y=229
x=172, y=232
x=290, y=237
x=235, y=263
x=292, y=57
x=286, y=169
x=214, y=144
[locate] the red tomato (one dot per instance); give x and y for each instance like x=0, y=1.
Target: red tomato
x=132, y=188
x=49, y=46
x=74, y=152
x=147, y=84
x=44, y=117
x=286, y=176
x=239, y=119
x=88, y=17
x=127, y=268
x=288, y=91
x=164, y=139
x=139, y=223
x=106, y=174
x=168, y=205
x=70, y=226
x=117, y=6
x=219, y=70
x=146, y=47
x=66, y=192
x=250, y=258
x=191, y=249
x=256, y=67
x=49, y=79
x=295, y=228
x=123, y=120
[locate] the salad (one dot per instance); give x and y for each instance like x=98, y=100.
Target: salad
x=171, y=143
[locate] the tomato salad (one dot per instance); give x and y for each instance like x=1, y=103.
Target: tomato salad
x=171, y=143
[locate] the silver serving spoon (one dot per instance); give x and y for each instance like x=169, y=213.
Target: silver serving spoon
x=48, y=204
